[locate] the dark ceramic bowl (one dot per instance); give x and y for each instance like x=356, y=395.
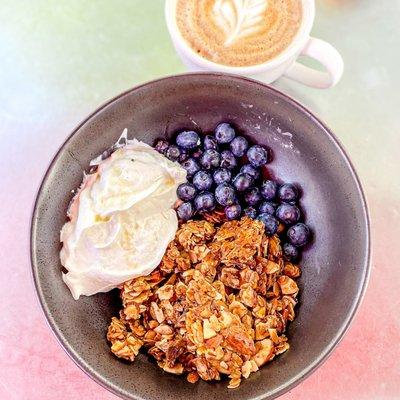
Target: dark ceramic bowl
x=335, y=268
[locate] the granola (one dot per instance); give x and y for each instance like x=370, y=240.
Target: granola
x=218, y=304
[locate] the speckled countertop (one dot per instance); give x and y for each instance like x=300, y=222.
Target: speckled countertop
x=59, y=60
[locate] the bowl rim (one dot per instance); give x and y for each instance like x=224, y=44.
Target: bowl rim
x=328, y=349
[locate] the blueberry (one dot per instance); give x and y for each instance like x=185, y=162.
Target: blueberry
x=210, y=159
x=267, y=207
x=173, y=152
x=197, y=154
x=225, y=194
x=268, y=190
x=233, y=211
x=250, y=212
x=224, y=133
x=228, y=160
x=288, y=213
x=252, y=196
x=186, y=191
x=184, y=155
x=210, y=143
x=185, y=211
x=202, y=180
x=270, y=223
x=291, y=252
x=204, y=202
x=249, y=169
x=222, y=175
x=242, y=182
x=239, y=146
x=188, y=140
x=191, y=167
x=257, y=155
x=288, y=192
x=161, y=146
x=299, y=234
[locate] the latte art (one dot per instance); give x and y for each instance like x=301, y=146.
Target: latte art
x=239, y=18
x=238, y=32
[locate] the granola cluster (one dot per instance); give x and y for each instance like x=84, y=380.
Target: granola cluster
x=218, y=304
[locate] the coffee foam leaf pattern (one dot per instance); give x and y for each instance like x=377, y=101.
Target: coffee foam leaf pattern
x=239, y=18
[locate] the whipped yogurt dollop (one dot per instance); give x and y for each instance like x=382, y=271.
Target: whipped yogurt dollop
x=121, y=219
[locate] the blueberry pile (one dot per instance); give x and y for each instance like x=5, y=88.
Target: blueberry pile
x=225, y=171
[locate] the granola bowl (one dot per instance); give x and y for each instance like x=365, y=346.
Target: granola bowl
x=335, y=268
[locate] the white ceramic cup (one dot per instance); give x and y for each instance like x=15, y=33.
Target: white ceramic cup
x=283, y=64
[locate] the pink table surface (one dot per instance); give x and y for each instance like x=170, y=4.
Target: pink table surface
x=50, y=79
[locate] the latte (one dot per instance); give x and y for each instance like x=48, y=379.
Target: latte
x=238, y=32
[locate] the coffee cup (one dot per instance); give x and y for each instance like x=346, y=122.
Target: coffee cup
x=283, y=63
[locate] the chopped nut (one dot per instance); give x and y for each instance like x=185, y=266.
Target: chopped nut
x=165, y=292
x=150, y=336
x=237, y=308
x=230, y=277
x=192, y=377
x=215, y=341
x=226, y=318
x=234, y=383
x=274, y=247
x=156, y=312
x=259, y=311
x=247, y=321
x=218, y=303
x=197, y=332
x=164, y=330
x=274, y=335
x=153, y=324
x=205, y=370
x=291, y=270
x=194, y=233
x=271, y=267
x=239, y=241
x=132, y=311
x=288, y=285
x=124, y=344
x=261, y=331
x=237, y=340
x=248, y=295
x=249, y=276
x=116, y=330
x=177, y=369
x=282, y=347
x=216, y=216
x=265, y=352
x=246, y=369
x=276, y=289
x=137, y=329
x=208, y=331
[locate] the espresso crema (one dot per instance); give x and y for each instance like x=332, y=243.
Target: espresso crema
x=238, y=32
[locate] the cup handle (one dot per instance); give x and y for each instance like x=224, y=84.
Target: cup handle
x=328, y=56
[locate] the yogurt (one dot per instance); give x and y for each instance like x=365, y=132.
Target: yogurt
x=121, y=219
